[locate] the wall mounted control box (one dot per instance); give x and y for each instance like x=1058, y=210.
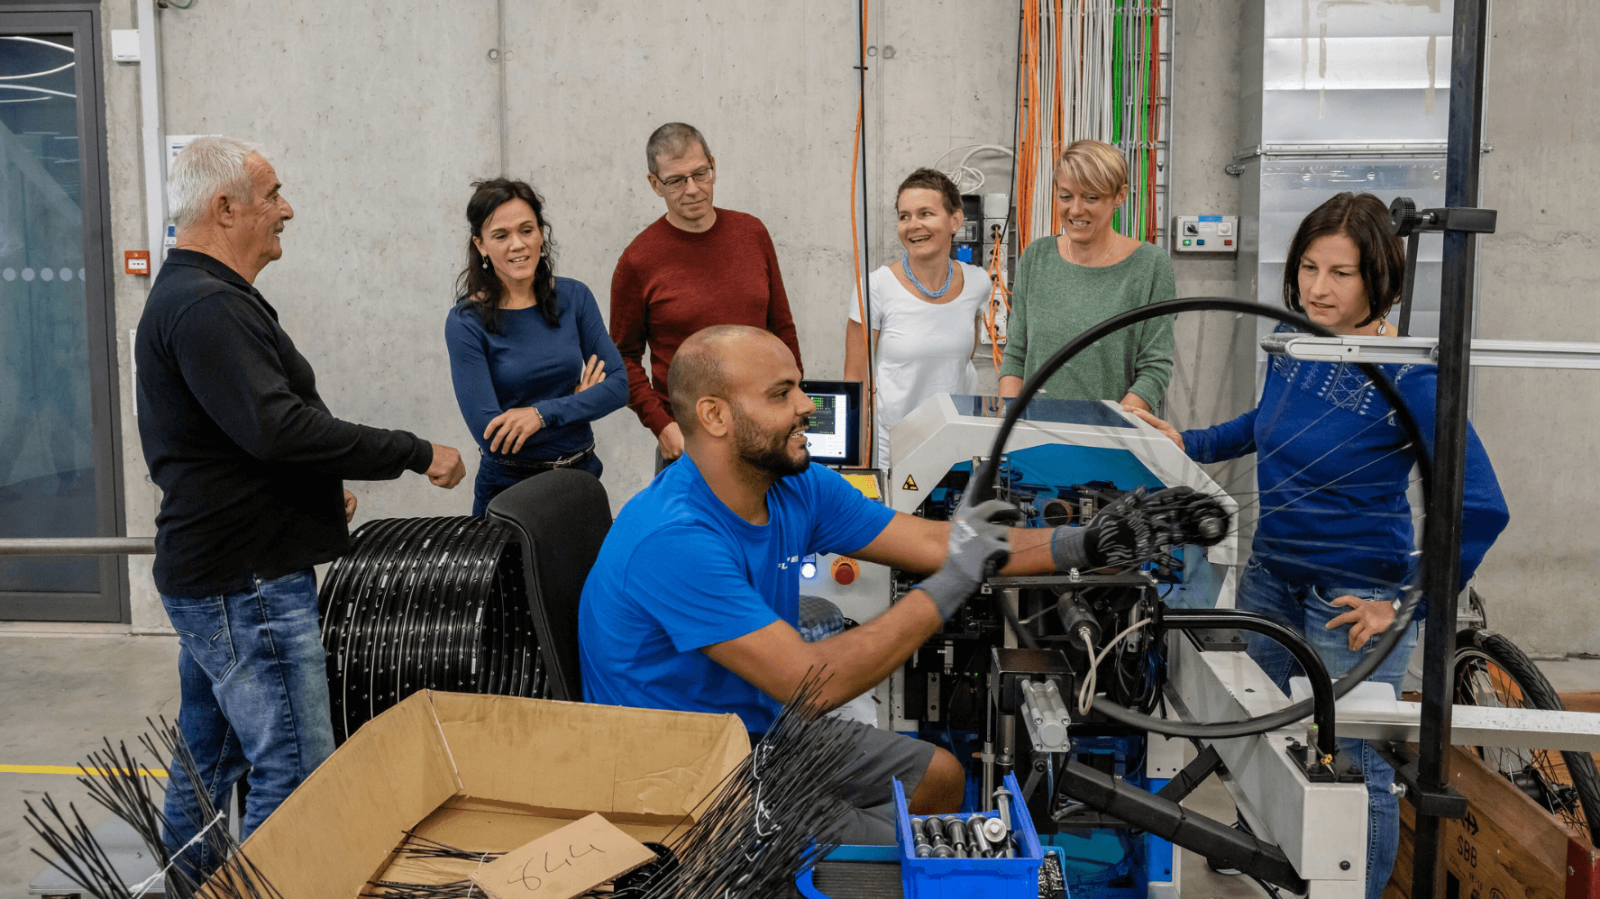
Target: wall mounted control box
x=1205, y=234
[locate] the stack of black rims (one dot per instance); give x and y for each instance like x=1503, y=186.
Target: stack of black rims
x=426, y=603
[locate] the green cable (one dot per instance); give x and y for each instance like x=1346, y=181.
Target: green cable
x=1116, y=73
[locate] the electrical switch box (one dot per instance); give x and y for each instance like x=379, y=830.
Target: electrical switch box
x=968, y=243
x=1205, y=234
x=124, y=45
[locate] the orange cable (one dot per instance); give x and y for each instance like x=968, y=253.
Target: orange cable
x=1058, y=135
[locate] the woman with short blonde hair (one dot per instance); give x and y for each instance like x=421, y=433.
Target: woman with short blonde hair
x=1069, y=282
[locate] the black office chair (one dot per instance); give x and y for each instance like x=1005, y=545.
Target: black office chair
x=561, y=517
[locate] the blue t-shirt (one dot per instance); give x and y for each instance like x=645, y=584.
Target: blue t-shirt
x=532, y=363
x=680, y=571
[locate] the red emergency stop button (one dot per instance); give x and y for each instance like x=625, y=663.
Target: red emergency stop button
x=846, y=570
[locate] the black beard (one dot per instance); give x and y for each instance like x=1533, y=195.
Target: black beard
x=768, y=453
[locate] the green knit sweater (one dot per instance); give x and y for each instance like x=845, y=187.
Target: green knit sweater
x=1056, y=301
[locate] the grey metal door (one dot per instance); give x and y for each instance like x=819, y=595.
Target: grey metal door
x=59, y=469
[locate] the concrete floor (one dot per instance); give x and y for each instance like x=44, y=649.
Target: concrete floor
x=62, y=694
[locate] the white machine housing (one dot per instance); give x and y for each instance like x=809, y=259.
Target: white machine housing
x=947, y=430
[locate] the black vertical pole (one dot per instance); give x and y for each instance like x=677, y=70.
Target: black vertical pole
x=1442, y=540
x=869, y=390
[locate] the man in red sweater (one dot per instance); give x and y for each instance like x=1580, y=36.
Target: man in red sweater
x=695, y=267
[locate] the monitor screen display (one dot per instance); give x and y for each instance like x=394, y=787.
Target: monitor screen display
x=834, y=435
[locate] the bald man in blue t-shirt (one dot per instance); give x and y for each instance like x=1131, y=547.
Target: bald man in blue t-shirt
x=693, y=601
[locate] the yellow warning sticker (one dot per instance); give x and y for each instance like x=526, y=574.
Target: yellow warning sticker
x=910, y=484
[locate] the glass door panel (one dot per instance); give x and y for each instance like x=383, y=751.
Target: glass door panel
x=54, y=408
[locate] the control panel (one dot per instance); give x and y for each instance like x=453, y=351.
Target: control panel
x=1205, y=234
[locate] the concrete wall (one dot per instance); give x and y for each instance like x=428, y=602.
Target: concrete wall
x=1539, y=282
x=379, y=115
x=125, y=169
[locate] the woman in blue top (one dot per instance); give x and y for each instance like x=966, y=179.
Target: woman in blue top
x=518, y=338
x=1333, y=545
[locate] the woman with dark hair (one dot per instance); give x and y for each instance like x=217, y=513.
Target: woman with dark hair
x=518, y=338
x=924, y=309
x=1333, y=547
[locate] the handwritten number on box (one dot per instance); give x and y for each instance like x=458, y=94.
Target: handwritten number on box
x=563, y=864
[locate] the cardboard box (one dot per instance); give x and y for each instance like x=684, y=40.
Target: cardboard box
x=489, y=774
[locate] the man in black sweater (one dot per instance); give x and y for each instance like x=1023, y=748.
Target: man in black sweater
x=250, y=463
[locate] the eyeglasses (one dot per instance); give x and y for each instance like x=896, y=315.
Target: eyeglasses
x=677, y=184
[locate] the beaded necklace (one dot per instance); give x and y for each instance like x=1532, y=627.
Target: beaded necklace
x=949, y=275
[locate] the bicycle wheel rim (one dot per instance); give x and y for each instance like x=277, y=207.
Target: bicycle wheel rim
x=983, y=480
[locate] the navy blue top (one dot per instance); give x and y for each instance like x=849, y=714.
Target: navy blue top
x=1332, y=466
x=533, y=364
x=680, y=571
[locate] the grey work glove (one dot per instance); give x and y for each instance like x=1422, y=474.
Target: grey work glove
x=978, y=547
x=1120, y=536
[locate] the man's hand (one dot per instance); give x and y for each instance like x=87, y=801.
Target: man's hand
x=510, y=429
x=446, y=469
x=979, y=545
x=349, y=507
x=671, y=442
x=594, y=371
x=1367, y=618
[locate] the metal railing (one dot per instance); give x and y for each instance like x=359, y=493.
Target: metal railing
x=78, y=546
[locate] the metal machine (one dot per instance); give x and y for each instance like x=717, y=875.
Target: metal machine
x=860, y=589
x=1069, y=681
x=1025, y=710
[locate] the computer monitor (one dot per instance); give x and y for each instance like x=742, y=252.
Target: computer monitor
x=834, y=436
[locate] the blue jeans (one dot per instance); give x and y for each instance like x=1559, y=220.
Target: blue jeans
x=1306, y=609
x=254, y=684
x=495, y=477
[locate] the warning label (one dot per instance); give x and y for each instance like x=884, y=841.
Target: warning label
x=910, y=484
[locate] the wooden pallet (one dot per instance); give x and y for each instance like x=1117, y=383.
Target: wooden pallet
x=1508, y=847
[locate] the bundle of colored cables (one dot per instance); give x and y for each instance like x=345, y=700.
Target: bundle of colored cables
x=1089, y=69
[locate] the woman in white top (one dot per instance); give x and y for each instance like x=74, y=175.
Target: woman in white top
x=924, y=308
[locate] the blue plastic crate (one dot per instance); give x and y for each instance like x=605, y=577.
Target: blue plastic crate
x=971, y=878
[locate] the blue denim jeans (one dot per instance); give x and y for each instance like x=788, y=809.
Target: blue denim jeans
x=1308, y=610
x=494, y=478
x=254, y=700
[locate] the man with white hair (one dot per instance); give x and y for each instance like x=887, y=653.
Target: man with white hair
x=250, y=463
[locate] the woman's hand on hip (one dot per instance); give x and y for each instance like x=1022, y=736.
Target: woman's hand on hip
x=510, y=429
x=594, y=371
x=1145, y=416
x=1367, y=618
